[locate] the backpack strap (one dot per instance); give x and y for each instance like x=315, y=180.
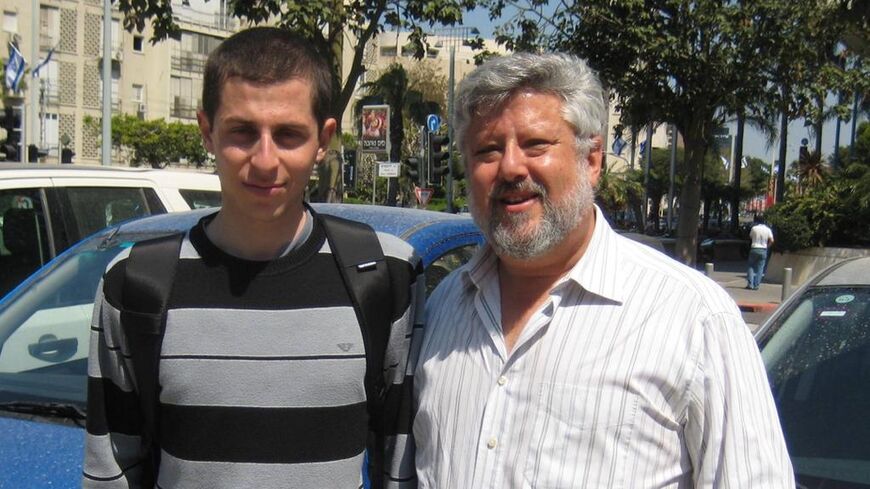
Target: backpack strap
x=148, y=277
x=360, y=258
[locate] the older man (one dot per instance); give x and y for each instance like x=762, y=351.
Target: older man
x=563, y=355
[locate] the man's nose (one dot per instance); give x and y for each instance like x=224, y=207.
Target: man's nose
x=265, y=155
x=514, y=164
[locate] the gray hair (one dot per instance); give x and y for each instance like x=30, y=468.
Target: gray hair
x=565, y=76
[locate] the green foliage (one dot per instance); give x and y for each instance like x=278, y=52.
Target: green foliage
x=826, y=214
x=155, y=143
x=330, y=26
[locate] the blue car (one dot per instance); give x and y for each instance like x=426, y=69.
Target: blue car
x=45, y=328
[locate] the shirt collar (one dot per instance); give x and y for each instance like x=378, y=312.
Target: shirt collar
x=598, y=270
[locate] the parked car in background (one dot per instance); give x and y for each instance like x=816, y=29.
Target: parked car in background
x=44, y=209
x=816, y=348
x=45, y=331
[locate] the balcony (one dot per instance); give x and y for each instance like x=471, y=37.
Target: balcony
x=188, y=62
x=183, y=108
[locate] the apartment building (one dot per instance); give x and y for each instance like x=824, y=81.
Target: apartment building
x=152, y=81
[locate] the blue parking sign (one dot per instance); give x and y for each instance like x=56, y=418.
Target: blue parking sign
x=433, y=122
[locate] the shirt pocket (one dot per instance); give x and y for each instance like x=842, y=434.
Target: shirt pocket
x=580, y=436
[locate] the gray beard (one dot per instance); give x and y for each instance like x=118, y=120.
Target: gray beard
x=504, y=231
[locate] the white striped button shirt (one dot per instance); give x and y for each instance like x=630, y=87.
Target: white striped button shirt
x=637, y=373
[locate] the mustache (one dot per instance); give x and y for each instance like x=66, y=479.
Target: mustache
x=527, y=185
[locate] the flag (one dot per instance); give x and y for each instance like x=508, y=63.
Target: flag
x=618, y=145
x=14, y=68
x=725, y=162
x=642, y=146
x=744, y=163
x=35, y=73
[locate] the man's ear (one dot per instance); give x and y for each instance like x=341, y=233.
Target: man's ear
x=205, y=131
x=594, y=160
x=325, y=137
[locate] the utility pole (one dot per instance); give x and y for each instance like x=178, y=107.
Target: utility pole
x=106, y=159
x=32, y=129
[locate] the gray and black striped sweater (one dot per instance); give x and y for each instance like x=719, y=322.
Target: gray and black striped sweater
x=261, y=374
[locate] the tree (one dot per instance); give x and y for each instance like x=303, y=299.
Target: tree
x=155, y=143
x=330, y=25
x=686, y=63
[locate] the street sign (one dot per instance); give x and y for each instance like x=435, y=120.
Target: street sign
x=424, y=195
x=388, y=169
x=433, y=122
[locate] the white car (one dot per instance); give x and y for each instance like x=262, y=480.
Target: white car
x=44, y=209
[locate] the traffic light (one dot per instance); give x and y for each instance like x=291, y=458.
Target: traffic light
x=413, y=166
x=12, y=124
x=349, y=169
x=439, y=154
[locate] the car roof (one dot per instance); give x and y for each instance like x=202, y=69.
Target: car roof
x=430, y=233
x=849, y=272
x=165, y=177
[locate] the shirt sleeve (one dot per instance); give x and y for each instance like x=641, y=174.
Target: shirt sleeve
x=399, y=468
x=733, y=433
x=115, y=455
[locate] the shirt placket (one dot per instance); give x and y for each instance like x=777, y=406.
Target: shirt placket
x=497, y=424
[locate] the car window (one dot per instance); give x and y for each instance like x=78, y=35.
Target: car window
x=94, y=208
x=24, y=240
x=45, y=332
x=818, y=362
x=200, y=199
x=445, y=264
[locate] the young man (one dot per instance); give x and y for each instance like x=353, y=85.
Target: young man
x=564, y=355
x=262, y=369
x=761, y=239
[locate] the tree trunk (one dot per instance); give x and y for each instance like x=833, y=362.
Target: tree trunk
x=696, y=137
x=783, y=141
x=738, y=166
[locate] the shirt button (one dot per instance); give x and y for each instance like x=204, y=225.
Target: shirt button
x=491, y=443
x=502, y=380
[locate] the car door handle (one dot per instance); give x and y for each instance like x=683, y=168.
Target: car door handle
x=51, y=349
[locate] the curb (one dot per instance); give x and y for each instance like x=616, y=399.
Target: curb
x=765, y=307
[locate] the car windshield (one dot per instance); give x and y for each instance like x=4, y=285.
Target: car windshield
x=45, y=330
x=818, y=361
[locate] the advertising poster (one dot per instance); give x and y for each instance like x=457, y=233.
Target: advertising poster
x=375, y=128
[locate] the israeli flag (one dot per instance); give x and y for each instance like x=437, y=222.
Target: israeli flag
x=35, y=73
x=14, y=68
x=744, y=162
x=618, y=145
x=725, y=162
x=642, y=146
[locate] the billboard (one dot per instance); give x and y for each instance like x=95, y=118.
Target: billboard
x=375, y=135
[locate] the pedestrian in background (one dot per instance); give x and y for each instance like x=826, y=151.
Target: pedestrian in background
x=761, y=239
x=564, y=355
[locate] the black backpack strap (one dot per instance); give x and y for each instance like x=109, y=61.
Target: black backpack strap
x=148, y=277
x=359, y=256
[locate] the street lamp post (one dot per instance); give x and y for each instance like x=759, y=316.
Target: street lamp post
x=454, y=37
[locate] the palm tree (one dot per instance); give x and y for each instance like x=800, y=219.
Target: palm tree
x=811, y=170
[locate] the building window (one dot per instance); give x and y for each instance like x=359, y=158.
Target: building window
x=48, y=83
x=137, y=43
x=139, y=93
x=116, y=37
x=10, y=22
x=49, y=27
x=49, y=136
x=185, y=94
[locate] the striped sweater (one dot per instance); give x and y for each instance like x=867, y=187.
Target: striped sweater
x=261, y=374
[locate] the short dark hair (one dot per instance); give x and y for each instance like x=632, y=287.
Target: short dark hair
x=268, y=55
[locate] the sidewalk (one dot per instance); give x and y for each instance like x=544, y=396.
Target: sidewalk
x=756, y=305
